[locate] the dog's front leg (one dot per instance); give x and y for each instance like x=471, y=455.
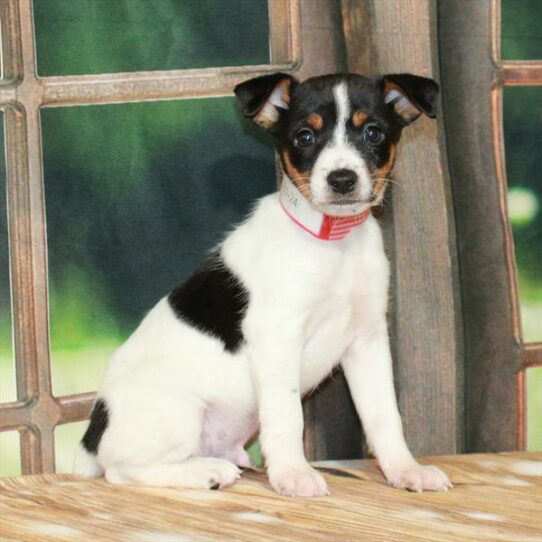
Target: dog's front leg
x=276, y=367
x=368, y=368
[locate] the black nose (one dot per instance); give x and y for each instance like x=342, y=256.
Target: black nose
x=342, y=180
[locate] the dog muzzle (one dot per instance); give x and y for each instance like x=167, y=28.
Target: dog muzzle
x=318, y=224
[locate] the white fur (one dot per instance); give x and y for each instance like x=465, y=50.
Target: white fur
x=181, y=407
x=339, y=154
x=173, y=392
x=86, y=464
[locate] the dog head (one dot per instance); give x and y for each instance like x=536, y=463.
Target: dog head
x=337, y=134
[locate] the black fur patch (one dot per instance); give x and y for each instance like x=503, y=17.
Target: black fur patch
x=315, y=95
x=213, y=300
x=99, y=419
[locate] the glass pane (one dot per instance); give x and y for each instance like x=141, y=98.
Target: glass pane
x=67, y=438
x=10, y=458
x=135, y=196
x=521, y=29
x=534, y=409
x=7, y=367
x=255, y=452
x=523, y=141
x=75, y=37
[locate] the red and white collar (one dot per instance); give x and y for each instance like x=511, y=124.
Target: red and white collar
x=318, y=224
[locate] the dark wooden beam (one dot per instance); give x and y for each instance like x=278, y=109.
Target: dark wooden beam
x=471, y=100
x=386, y=36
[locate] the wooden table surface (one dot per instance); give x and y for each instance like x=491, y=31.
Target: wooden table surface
x=496, y=497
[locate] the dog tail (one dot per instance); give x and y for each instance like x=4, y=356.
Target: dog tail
x=86, y=464
x=85, y=459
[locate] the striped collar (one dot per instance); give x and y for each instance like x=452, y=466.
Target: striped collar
x=318, y=224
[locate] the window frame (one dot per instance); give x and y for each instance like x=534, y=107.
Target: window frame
x=473, y=76
x=477, y=378
x=509, y=73
x=37, y=412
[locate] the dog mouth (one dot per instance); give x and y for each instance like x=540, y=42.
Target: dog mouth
x=360, y=198
x=354, y=201
x=342, y=207
x=365, y=194
x=346, y=202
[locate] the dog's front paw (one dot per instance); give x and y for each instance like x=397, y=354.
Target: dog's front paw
x=416, y=477
x=301, y=481
x=212, y=473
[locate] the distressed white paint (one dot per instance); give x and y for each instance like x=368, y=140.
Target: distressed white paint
x=102, y=516
x=484, y=516
x=526, y=467
x=421, y=513
x=61, y=532
x=490, y=464
x=513, y=481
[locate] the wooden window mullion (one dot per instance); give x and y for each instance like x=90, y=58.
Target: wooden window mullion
x=27, y=240
x=520, y=73
x=511, y=73
x=36, y=412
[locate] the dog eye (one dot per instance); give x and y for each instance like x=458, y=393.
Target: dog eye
x=373, y=134
x=304, y=138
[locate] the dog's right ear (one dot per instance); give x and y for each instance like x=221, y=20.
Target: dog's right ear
x=409, y=96
x=262, y=99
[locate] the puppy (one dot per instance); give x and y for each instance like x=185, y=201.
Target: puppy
x=296, y=289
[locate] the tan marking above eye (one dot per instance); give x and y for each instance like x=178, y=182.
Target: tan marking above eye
x=315, y=121
x=359, y=117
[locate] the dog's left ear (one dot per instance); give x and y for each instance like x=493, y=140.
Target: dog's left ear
x=410, y=96
x=263, y=98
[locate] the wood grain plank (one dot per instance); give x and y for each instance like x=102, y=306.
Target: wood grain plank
x=496, y=497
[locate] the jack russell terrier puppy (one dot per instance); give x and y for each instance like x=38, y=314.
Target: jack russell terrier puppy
x=298, y=288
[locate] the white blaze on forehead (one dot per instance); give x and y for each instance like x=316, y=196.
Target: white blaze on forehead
x=340, y=92
x=339, y=154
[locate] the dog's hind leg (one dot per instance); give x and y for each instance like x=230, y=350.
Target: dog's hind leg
x=193, y=472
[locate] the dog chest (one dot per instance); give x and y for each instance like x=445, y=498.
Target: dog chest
x=329, y=332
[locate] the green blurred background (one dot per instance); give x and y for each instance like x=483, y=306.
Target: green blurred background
x=522, y=40
x=137, y=193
